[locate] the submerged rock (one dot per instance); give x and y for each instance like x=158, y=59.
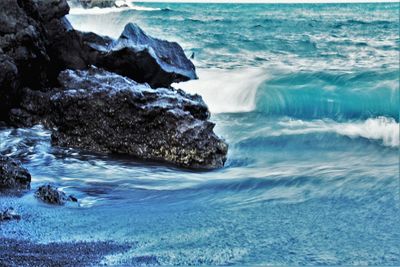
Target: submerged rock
x=51, y=195
x=99, y=111
x=9, y=214
x=12, y=175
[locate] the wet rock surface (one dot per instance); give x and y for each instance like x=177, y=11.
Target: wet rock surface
x=22, y=51
x=96, y=110
x=37, y=42
x=144, y=59
x=52, y=195
x=9, y=214
x=25, y=35
x=12, y=175
x=134, y=54
x=99, y=111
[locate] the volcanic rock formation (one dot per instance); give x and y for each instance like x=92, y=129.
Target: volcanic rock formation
x=12, y=175
x=46, y=76
x=100, y=111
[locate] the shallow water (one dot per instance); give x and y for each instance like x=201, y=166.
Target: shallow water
x=307, y=96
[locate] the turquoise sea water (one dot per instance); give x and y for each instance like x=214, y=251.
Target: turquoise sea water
x=306, y=95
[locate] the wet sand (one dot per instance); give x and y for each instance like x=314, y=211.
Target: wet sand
x=24, y=253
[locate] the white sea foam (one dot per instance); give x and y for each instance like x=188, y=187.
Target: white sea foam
x=381, y=128
x=123, y=6
x=227, y=90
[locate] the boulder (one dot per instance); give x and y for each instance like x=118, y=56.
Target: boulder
x=52, y=195
x=144, y=58
x=12, y=175
x=99, y=111
x=135, y=55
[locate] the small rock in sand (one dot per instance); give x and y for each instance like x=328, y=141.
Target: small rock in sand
x=9, y=214
x=51, y=195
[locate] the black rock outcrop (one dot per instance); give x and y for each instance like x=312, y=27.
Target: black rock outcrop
x=135, y=55
x=12, y=175
x=26, y=31
x=144, y=59
x=23, y=57
x=37, y=42
x=52, y=195
x=91, y=108
x=99, y=111
x=9, y=214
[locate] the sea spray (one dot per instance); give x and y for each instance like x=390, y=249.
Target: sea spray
x=227, y=90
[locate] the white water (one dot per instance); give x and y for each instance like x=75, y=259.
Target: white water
x=122, y=6
x=381, y=128
x=227, y=91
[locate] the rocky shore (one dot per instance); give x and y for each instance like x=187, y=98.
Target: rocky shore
x=100, y=94
x=24, y=253
x=97, y=94
x=13, y=176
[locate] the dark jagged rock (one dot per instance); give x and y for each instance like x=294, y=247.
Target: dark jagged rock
x=24, y=38
x=48, y=10
x=99, y=111
x=9, y=214
x=106, y=112
x=135, y=55
x=37, y=42
x=22, y=52
x=9, y=85
x=51, y=195
x=12, y=175
x=144, y=59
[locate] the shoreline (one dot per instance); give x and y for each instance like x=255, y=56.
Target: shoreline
x=15, y=252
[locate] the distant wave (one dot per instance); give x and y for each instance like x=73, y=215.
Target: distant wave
x=382, y=129
x=355, y=22
x=320, y=133
x=100, y=11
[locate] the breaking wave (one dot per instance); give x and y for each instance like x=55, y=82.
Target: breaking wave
x=100, y=11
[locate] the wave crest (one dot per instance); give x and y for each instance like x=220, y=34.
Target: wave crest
x=107, y=10
x=227, y=91
x=381, y=128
